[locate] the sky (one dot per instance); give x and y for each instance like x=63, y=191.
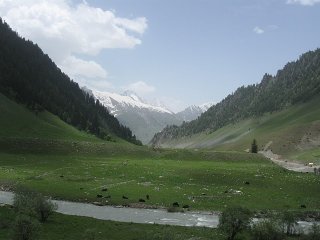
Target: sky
x=178, y=52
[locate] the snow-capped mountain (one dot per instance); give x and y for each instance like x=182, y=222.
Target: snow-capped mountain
x=143, y=118
x=192, y=112
x=205, y=106
x=117, y=103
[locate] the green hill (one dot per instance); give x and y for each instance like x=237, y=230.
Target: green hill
x=19, y=122
x=293, y=132
x=30, y=77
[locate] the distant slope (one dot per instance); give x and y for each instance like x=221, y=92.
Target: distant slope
x=30, y=77
x=143, y=118
x=291, y=132
x=296, y=83
x=17, y=121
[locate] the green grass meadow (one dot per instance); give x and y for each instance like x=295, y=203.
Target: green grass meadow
x=204, y=180
x=63, y=227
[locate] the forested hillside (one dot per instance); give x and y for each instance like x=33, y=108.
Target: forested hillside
x=297, y=82
x=30, y=77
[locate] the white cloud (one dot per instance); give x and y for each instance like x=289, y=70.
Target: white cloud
x=258, y=30
x=64, y=29
x=141, y=88
x=303, y=2
x=76, y=67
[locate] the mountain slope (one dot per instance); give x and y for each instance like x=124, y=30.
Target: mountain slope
x=143, y=118
x=297, y=82
x=31, y=78
x=17, y=121
x=290, y=132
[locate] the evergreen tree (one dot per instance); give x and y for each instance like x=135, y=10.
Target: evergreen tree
x=254, y=146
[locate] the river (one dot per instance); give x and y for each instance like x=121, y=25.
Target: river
x=124, y=214
x=138, y=215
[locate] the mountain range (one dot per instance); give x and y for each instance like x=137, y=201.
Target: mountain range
x=142, y=117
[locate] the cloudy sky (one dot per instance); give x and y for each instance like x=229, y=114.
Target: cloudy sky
x=181, y=52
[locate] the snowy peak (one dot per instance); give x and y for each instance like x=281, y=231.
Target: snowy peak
x=205, y=106
x=193, y=111
x=121, y=102
x=132, y=95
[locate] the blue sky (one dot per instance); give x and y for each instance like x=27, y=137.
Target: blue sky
x=182, y=52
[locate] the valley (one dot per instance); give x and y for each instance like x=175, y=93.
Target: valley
x=125, y=168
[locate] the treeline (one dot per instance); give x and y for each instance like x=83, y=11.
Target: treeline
x=297, y=82
x=30, y=77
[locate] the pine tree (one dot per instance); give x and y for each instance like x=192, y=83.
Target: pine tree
x=254, y=146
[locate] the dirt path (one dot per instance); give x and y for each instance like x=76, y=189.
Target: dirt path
x=288, y=164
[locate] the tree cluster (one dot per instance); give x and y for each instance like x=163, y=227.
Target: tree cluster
x=30, y=77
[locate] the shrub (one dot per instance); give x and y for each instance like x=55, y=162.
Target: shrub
x=314, y=233
x=289, y=222
x=33, y=204
x=267, y=230
x=234, y=220
x=25, y=228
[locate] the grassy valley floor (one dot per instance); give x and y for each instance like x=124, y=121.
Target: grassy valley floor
x=204, y=180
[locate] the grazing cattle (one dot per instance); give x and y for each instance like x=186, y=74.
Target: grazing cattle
x=99, y=196
x=175, y=204
x=104, y=189
x=147, y=196
x=124, y=197
x=142, y=200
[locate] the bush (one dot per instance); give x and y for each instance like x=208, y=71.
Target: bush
x=33, y=204
x=234, y=220
x=267, y=230
x=314, y=233
x=25, y=228
x=289, y=222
